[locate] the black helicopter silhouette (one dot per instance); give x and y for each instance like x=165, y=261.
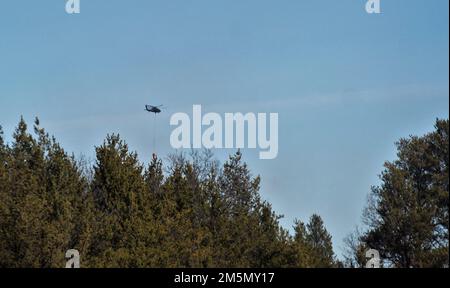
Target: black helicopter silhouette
x=153, y=109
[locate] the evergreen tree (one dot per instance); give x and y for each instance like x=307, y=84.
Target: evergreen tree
x=268, y=246
x=240, y=195
x=301, y=247
x=320, y=242
x=196, y=215
x=184, y=239
x=119, y=194
x=24, y=238
x=41, y=188
x=312, y=244
x=408, y=214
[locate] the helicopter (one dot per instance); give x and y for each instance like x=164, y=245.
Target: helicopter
x=153, y=109
x=156, y=110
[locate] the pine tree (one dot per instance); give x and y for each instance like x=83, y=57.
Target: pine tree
x=267, y=250
x=118, y=187
x=303, y=257
x=185, y=205
x=65, y=190
x=216, y=219
x=240, y=195
x=195, y=215
x=408, y=214
x=40, y=203
x=319, y=240
x=25, y=237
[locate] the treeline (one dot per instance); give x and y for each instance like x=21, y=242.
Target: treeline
x=189, y=212
x=194, y=212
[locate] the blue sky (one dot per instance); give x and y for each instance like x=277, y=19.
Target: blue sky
x=346, y=84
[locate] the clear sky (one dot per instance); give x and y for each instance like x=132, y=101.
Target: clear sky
x=346, y=84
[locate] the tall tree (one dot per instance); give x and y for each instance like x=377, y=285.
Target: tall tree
x=63, y=198
x=269, y=245
x=301, y=249
x=240, y=195
x=408, y=214
x=118, y=189
x=41, y=203
x=319, y=240
x=24, y=237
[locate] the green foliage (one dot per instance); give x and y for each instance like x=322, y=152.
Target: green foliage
x=190, y=213
x=312, y=244
x=41, y=191
x=408, y=214
x=194, y=213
